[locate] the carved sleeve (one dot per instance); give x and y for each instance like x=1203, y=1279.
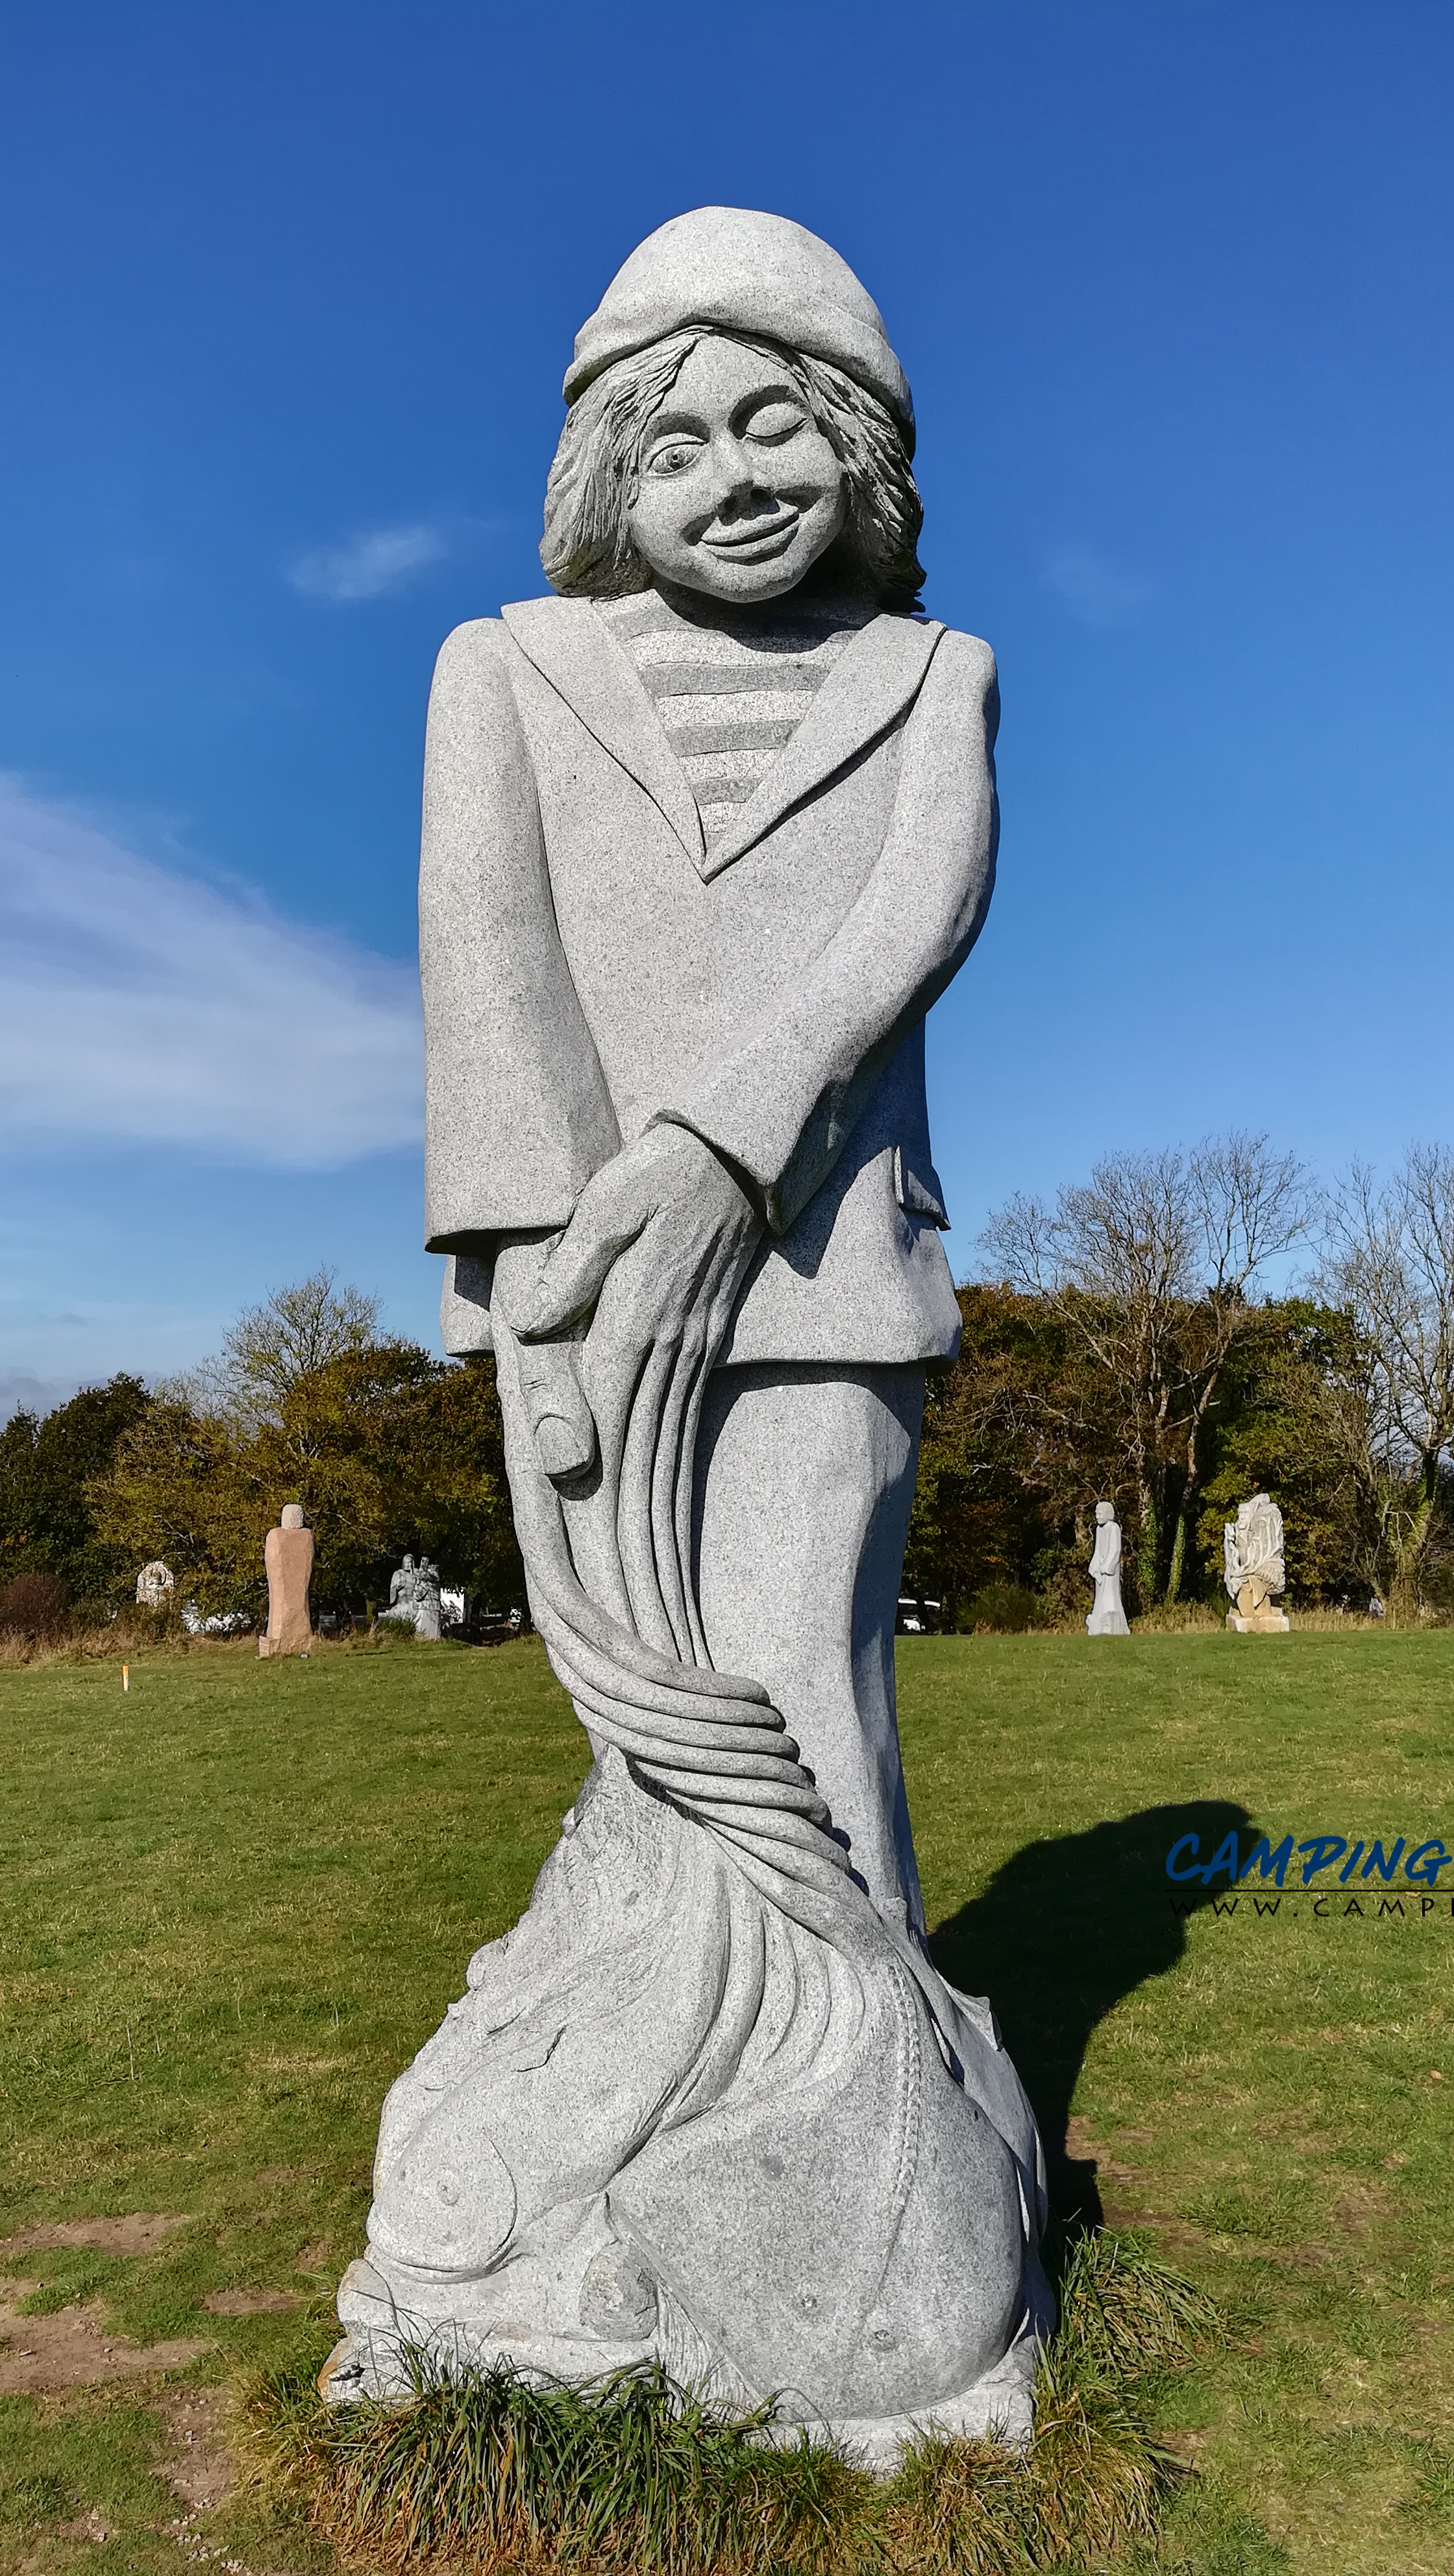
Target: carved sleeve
x=517, y=1112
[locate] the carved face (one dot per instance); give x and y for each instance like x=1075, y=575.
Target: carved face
x=739, y=491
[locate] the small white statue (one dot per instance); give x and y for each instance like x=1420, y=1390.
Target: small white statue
x=1106, y=1616
x=1253, y=1569
x=154, y=1585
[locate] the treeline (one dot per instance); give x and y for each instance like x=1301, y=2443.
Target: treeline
x=389, y=1451
x=1124, y=1347
x=1028, y=1432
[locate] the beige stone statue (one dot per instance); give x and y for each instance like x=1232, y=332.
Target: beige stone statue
x=288, y=1556
x=1253, y=1569
x=154, y=1585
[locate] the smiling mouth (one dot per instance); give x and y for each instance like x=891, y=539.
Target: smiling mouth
x=758, y=544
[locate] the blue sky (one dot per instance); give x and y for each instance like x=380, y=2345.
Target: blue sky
x=286, y=293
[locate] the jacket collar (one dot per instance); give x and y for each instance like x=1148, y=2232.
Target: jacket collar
x=878, y=674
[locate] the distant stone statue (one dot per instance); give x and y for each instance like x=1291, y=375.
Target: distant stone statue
x=403, y=1585
x=1106, y=1617
x=288, y=1556
x=426, y=1601
x=155, y=1585
x=1252, y=1568
x=414, y=1598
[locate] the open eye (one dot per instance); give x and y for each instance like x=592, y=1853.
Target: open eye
x=674, y=456
x=774, y=421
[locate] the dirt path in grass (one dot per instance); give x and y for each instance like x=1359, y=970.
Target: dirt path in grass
x=136, y=2234
x=72, y=2348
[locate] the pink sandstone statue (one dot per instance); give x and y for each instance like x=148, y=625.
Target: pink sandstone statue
x=288, y=1556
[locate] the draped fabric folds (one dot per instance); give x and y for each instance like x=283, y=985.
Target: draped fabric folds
x=640, y=1673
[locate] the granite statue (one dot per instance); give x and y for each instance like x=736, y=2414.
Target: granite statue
x=1106, y=1616
x=288, y=1557
x=1253, y=1568
x=155, y=1585
x=414, y=1599
x=706, y=832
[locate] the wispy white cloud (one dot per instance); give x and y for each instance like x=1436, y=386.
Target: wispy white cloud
x=1094, y=591
x=367, y=565
x=140, y=1004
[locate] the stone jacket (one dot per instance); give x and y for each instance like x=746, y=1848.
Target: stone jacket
x=589, y=967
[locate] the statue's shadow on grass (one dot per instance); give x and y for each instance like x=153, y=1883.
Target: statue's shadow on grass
x=1061, y=1935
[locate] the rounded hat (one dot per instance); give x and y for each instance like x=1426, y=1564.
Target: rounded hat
x=737, y=270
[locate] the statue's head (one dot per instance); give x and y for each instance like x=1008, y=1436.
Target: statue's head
x=1105, y=1511
x=291, y=1516
x=738, y=421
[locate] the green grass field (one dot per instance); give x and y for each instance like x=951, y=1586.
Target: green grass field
x=235, y=1901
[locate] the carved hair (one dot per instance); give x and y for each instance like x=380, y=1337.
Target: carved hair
x=587, y=550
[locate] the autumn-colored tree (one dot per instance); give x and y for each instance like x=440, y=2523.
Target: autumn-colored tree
x=387, y=1450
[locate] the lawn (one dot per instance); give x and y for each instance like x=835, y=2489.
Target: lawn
x=236, y=1899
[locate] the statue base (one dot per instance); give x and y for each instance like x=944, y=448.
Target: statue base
x=1260, y=1623
x=674, y=2122
x=380, y=2358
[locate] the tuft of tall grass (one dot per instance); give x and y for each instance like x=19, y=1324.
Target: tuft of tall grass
x=489, y=2472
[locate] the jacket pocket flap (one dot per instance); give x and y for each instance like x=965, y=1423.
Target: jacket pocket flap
x=918, y=1189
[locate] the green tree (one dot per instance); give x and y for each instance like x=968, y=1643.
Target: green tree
x=387, y=1450
x=1015, y=1453
x=1282, y=1428
x=1151, y=1266
x=295, y=1332
x=1025, y=1434
x=47, y=1522
x=182, y=1485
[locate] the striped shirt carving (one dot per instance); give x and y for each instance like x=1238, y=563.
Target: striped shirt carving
x=731, y=694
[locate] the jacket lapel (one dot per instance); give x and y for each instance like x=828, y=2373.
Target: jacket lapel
x=575, y=651
x=876, y=677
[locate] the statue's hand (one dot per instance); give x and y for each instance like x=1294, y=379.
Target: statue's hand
x=654, y=1255
x=645, y=1239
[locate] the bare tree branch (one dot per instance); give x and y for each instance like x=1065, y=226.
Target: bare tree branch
x=1152, y=1263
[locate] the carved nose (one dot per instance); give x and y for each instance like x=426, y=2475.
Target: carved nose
x=735, y=481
